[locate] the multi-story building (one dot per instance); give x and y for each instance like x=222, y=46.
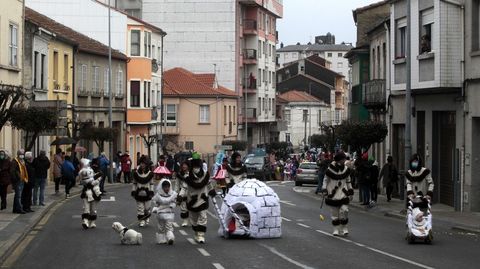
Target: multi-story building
x=11, y=61
x=200, y=113
x=304, y=115
x=333, y=53
x=144, y=84
x=437, y=110
x=234, y=39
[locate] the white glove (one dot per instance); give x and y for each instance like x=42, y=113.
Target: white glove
x=155, y=210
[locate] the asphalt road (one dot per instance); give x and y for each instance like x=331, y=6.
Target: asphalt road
x=374, y=241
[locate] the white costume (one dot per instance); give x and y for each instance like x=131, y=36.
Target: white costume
x=337, y=185
x=419, y=182
x=181, y=184
x=90, y=193
x=197, y=189
x=142, y=191
x=236, y=174
x=127, y=236
x=164, y=203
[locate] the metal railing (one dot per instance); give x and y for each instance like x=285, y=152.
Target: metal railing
x=250, y=54
x=374, y=93
x=250, y=25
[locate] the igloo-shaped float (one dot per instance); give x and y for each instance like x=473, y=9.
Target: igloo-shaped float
x=257, y=205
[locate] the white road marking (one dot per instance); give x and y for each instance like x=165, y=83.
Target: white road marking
x=303, y=225
x=182, y=232
x=302, y=190
x=285, y=219
x=203, y=252
x=218, y=266
x=175, y=225
x=191, y=241
x=283, y=256
x=377, y=251
x=287, y=203
x=211, y=214
x=112, y=199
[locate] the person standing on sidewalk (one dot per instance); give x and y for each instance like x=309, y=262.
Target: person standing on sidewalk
x=19, y=176
x=5, y=176
x=389, y=174
x=28, y=186
x=104, y=162
x=362, y=169
x=126, y=164
x=41, y=164
x=68, y=172
x=57, y=169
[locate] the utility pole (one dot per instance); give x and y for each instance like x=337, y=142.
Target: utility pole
x=408, y=96
x=110, y=123
x=305, y=117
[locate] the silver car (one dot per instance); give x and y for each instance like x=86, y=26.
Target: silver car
x=307, y=173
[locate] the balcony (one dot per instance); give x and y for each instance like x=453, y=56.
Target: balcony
x=170, y=130
x=249, y=27
x=279, y=126
x=250, y=56
x=251, y=116
x=83, y=92
x=374, y=94
x=96, y=93
x=250, y=85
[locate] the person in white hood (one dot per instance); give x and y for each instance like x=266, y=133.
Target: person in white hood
x=164, y=202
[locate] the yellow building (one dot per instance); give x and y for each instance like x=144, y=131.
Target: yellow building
x=11, y=61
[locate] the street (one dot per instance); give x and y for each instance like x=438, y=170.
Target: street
x=374, y=240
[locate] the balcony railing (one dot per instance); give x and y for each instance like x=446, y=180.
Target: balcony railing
x=374, y=94
x=249, y=26
x=250, y=84
x=83, y=92
x=250, y=56
x=96, y=93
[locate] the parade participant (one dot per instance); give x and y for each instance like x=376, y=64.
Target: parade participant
x=142, y=190
x=221, y=176
x=164, y=202
x=5, y=174
x=198, y=187
x=419, y=179
x=90, y=193
x=181, y=177
x=161, y=171
x=237, y=171
x=338, y=192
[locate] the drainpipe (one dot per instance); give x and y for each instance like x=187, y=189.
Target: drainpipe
x=465, y=111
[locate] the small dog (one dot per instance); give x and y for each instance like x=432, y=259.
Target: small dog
x=127, y=236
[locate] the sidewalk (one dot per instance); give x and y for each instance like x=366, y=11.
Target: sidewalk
x=14, y=227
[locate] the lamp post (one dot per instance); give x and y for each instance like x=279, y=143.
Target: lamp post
x=408, y=97
x=110, y=123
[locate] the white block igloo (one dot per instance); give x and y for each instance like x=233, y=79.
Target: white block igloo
x=258, y=205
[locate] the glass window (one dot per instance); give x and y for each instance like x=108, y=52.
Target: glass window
x=288, y=116
x=171, y=115
x=83, y=77
x=135, y=43
x=147, y=44
x=55, y=68
x=13, y=45
x=106, y=82
x=329, y=54
x=43, y=70
x=401, y=38
x=135, y=93
x=95, y=79
x=204, y=113
x=427, y=20
x=189, y=145
x=340, y=54
x=319, y=117
x=224, y=115
x=66, y=70
x=120, y=82
x=35, y=69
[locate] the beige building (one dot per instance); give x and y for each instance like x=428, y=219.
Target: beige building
x=199, y=113
x=11, y=47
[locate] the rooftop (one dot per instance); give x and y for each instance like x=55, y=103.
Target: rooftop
x=316, y=47
x=298, y=96
x=84, y=43
x=181, y=82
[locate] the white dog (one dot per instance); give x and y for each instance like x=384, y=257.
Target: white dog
x=127, y=236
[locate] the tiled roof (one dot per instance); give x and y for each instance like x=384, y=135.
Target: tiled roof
x=298, y=96
x=316, y=47
x=181, y=82
x=84, y=43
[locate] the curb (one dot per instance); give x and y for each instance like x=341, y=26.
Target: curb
x=465, y=229
x=34, y=223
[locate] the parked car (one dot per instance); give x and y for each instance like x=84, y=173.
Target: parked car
x=257, y=167
x=307, y=173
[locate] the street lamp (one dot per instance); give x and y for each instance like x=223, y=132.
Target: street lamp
x=110, y=123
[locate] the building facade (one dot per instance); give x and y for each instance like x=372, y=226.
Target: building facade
x=200, y=113
x=11, y=61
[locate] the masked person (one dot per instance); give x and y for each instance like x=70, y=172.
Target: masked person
x=419, y=179
x=142, y=190
x=181, y=183
x=338, y=190
x=237, y=171
x=19, y=178
x=90, y=193
x=165, y=202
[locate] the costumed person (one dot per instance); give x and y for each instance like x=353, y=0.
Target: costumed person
x=161, y=171
x=237, y=171
x=181, y=178
x=142, y=190
x=338, y=192
x=221, y=176
x=197, y=191
x=419, y=179
x=90, y=193
x=164, y=203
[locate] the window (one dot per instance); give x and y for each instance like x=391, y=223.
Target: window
x=373, y=63
x=401, y=38
x=224, y=115
x=273, y=106
x=259, y=105
x=204, y=114
x=120, y=82
x=340, y=54
x=337, y=116
x=55, y=67
x=135, y=43
x=329, y=54
x=339, y=65
x=83, y=78
x=265, y=104
x=305, y=115
x=42, y=71
x=234, y=115
x=476, y=25
x=66, y=69
x=171, y=115
x=146, y=94
x=426, y=21
x=135, y=93
x=270, y=104
x=259, y=81
x=288, y=116
x=96, y=79
x=188, y=145
x=13, y=45
x=147, y=44
x=153, y=52
x=287, y=137
x=229, y=114
x=106, y=81
x=259, y=47
x=35, y=69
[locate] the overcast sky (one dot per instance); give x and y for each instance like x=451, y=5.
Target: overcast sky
x=304, y=19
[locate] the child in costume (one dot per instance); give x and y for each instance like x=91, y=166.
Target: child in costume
x=164, y=202
x=142, y=190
